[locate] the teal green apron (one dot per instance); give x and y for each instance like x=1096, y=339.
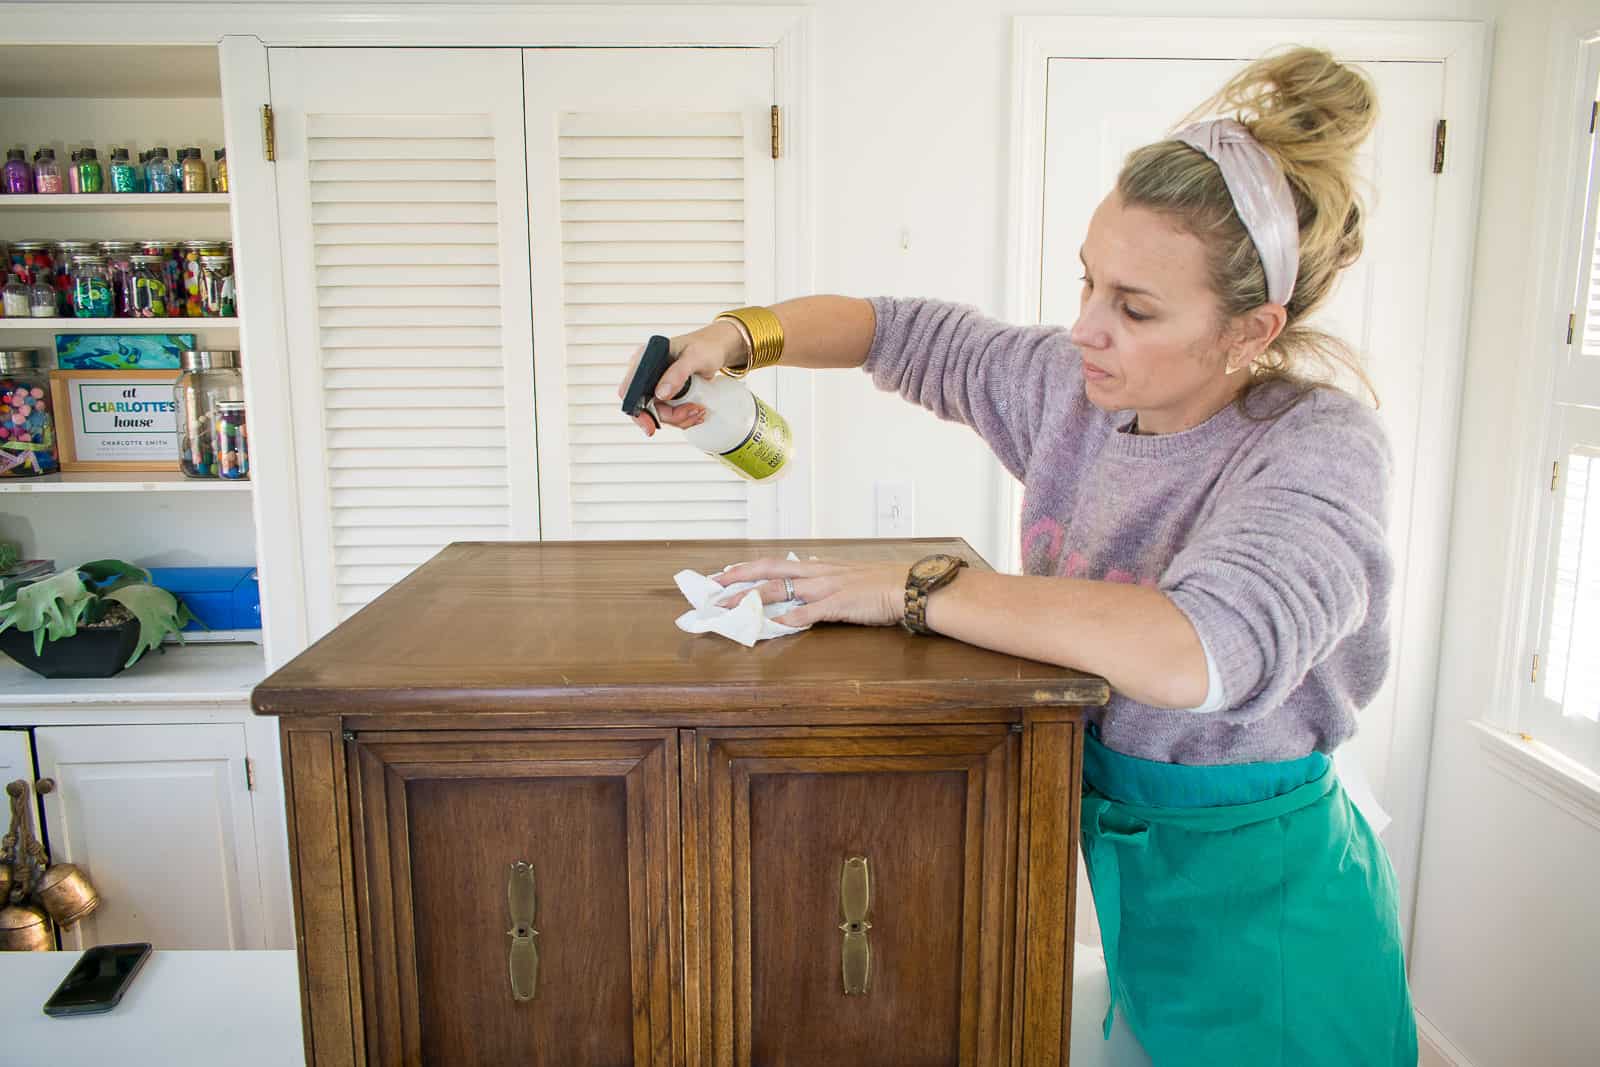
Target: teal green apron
x=1247, y=913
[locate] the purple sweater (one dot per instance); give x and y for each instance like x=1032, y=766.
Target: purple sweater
x=1268, y=535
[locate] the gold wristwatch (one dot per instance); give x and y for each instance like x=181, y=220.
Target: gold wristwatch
x=927, y=574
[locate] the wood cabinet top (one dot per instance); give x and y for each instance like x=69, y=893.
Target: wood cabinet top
x=588, y=627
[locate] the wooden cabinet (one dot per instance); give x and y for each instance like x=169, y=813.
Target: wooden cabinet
x=848, y=846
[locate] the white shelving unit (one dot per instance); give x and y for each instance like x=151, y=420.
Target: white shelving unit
x=113, y=201
x=137, y=98
x=118, y=482
x=68, y=325
x=175, y=675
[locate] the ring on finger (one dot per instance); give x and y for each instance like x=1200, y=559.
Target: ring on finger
x=788, y=590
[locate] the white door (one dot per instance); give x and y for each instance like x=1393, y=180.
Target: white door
x=16, y=759
x=159, y=817
x=403, y=215
x=651, y=202
x=1099, y=110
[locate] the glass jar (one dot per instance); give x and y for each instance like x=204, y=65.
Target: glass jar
x=14, y=299
x=124, y=177
x=91, y=179
x=216, y=286
x=66, y=253
x=27, y=428
x=191, y=253
x=196, y=179
x=47, y=172
x=118, y=267
x=75, y=173
x=231, y=440
x=171, y=270
x=162, y=175
x=147, y=294
x=18, y=175
x=32, y=260
x=139, y=179
x=209, y=378
x=219, y=176
x=42, y=300
x=91, y=288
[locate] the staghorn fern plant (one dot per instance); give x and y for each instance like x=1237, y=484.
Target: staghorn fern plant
x=55, y=608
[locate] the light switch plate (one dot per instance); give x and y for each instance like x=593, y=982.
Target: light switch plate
x=895, y=514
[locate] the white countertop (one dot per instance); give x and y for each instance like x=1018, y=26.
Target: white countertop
x=243, y=1009
x=238, y=1008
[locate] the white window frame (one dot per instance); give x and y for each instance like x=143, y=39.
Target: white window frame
x=1564, y=284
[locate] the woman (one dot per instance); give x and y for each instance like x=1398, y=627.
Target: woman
x=1204, y=528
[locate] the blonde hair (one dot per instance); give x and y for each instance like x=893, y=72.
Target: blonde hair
x=1311, y=114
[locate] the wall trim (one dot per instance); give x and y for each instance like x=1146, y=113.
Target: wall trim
x=1542, y=770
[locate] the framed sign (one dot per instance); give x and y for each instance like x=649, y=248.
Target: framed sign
x=115, y=420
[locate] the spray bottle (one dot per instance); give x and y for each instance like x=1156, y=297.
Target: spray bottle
x=740, y=429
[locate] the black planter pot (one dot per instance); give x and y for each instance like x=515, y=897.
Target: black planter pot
x=97, y=653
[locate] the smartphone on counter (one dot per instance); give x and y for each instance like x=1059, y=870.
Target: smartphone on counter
x=97, y=981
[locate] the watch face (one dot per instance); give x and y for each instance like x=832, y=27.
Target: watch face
x=931, y=567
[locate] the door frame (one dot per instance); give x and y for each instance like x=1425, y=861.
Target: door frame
x=1462, y=48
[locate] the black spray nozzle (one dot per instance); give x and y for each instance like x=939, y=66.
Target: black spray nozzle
x=642, y=389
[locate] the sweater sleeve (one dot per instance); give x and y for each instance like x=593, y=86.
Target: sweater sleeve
x=1292, y=559
x=998, y=378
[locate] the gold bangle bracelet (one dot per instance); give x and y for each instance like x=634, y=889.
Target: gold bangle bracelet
x=764, y=334
x=749, y=347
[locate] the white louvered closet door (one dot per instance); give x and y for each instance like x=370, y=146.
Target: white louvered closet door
x=651, y=196
x=403, y=207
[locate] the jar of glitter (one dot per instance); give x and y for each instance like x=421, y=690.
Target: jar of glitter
x=27, y=428
x=91, y=288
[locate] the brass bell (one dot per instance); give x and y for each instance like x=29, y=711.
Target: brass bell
x=66, y=893
x=5, y=882
x=24, y=928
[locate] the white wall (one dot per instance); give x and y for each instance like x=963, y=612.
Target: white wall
x=1505, y=957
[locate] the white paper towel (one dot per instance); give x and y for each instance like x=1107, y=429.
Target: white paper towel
x=746, y=622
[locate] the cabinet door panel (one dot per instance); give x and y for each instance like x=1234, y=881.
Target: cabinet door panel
x=933, y=813
x=444, y=819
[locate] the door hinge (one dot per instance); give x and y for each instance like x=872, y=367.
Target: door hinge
x=249, y=774
x=269, y=134
x=1555, y=473
x=1594, y=109
x=1572, y=323
x=1438, y=147
x=777, y=132
x=1535, y=676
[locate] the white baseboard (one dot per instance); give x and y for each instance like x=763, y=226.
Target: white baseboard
x=1436, y=1050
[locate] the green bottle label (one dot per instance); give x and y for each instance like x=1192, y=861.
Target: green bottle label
x=765, y=449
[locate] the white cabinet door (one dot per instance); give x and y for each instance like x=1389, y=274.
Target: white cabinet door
x=1099, y=110
x=16, y=760
x=160, y=819
x=651, y=195
x=403, y=217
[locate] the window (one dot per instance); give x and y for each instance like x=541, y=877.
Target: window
x=1563, y=709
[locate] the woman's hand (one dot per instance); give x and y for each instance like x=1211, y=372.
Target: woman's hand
x=704, y=352
x=866, y=594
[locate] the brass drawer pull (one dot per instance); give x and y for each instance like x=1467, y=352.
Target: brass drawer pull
x=854, y=899
x=523, y=902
